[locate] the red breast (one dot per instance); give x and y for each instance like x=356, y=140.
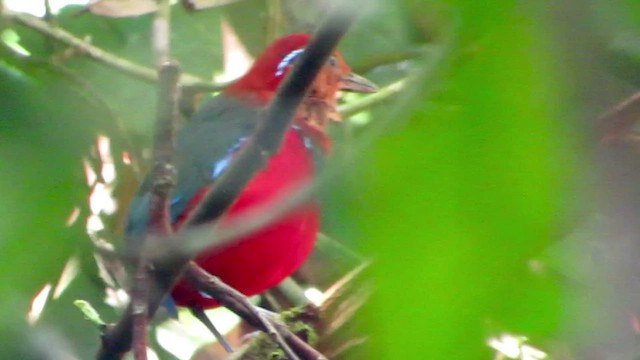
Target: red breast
x=265, y=258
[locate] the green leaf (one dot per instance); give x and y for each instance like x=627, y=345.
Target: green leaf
x=460, y=197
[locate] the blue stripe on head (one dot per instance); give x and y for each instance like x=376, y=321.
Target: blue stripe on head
x=287, y=60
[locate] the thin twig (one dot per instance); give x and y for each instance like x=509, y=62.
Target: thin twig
x=366, y=102
x=164, y=173
x=199, y=314
x=161, y=32
x=48, y=14
x=238, y=303
x=617, y=123
x=274, y=8
x=139, y=297
x=102, y=56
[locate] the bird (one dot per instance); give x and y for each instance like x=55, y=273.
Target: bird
x=207, y=144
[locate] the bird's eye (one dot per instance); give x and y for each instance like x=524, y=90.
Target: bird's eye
x=333, y=62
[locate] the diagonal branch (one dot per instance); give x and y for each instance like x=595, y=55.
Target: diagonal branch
x=618, y=122
x=125, y=66
x=369, y=101
x=239, y=304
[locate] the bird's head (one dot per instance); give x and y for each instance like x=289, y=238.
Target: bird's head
x=261, y=82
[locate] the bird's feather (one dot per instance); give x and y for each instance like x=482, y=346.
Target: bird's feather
x=204, y=148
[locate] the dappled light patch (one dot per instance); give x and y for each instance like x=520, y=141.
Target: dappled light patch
x=38, y=304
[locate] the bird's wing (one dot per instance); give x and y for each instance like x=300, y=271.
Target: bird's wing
x=204, y=147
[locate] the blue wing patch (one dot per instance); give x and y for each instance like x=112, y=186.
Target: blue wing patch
x=221, y=165
x=171, y=307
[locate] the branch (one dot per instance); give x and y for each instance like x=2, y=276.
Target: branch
x=265, y=141
x=618, y=122
x=139, y=296
x=369, y=101
x=164, y=174
x=161, y=31
x=125, y=66
x=116, y=340
x=274, y=22
x=238, y=303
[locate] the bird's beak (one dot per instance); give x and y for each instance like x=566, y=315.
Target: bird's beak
x=357, y=83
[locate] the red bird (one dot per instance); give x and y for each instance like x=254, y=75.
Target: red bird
x=207, y=144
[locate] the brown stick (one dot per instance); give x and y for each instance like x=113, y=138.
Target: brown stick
x=238, y=303
x=133, y=327
x=139, y=296
x=616, y=124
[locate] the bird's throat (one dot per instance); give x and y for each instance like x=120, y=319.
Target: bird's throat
x=313, y=118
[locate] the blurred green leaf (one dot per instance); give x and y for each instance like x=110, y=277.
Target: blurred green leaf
x=42, y=186
x=47, y=125
x=462, y=196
